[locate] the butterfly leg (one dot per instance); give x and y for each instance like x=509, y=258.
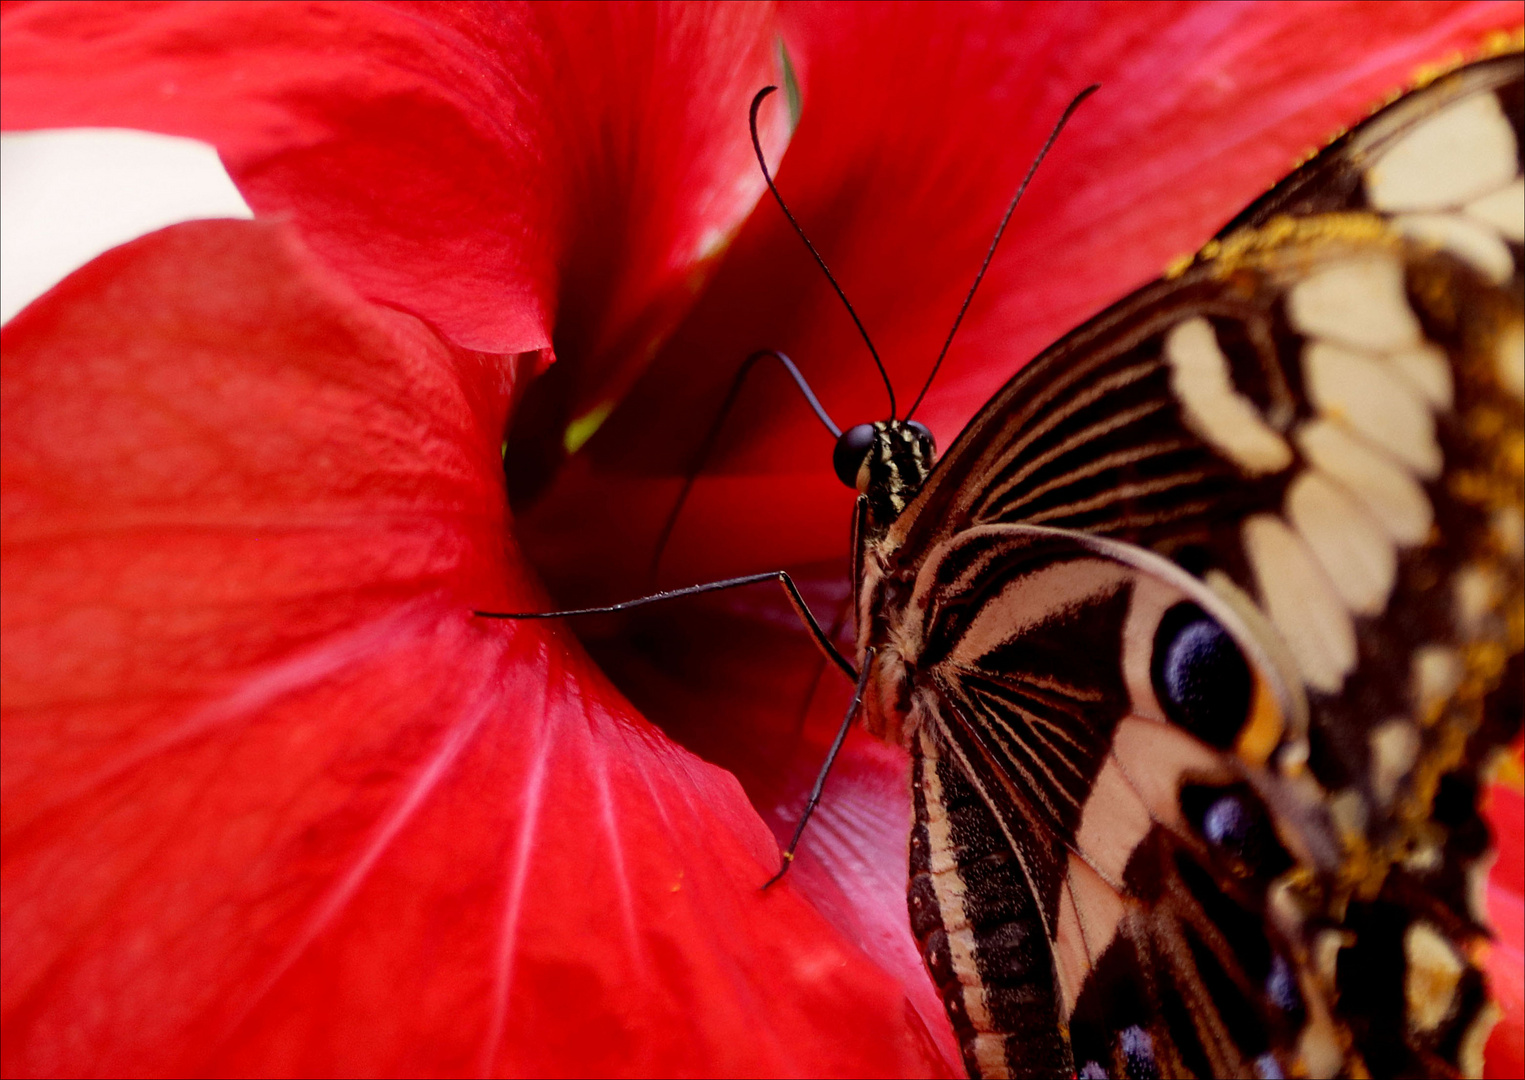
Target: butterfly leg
x=838, y=621
x=796, y=601
x=831, y=757
x=822, y=640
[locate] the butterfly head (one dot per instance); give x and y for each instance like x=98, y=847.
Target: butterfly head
x=887, y=461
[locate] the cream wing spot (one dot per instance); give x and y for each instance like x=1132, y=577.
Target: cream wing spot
x=1435, y=671
x=1433, y=972
x=1360, y=302
x=1474, y=1041
x=1349, y=812
x=1428, y=370
x=1504, y=210
x=1475, y=593
x=1463, y=151
x=1368, y=394
x=1320, y=1045
x=1321, y=1048
x=1212, y=407
x=1509, y=353
x=1326, y=952
x=1394, y=747
x=1477, y=886
x=1358, y=556
x=1425, y=858
x=1301, y=602
x=1287, y=910
x=1394, y=497
x=1469, y=240
x=1508, y=527
x=1292, y=760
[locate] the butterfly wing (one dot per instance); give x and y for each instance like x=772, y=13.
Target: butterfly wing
x=1320, y=418
x=1092, y=854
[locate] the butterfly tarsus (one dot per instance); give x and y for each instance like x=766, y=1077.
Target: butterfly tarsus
x=822, y=640
x=820, y=780
x=796, y=601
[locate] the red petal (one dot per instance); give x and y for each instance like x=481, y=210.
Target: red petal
x=1504, y=808
x=274, y=802
x=1504, y=1056
x=500, y=170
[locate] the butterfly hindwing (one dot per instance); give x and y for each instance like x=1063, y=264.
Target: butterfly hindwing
x=1060, y=807
x=1316, y=432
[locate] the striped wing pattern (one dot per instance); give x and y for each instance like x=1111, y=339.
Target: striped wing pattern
x=1312, y=438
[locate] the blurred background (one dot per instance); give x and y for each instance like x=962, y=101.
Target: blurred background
x=68, y=195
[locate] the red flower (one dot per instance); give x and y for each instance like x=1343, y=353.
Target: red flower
x=273, y=800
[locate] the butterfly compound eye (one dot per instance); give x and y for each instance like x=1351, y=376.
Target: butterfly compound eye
x=1200, y=676
x=851, y=451
x=922, y=430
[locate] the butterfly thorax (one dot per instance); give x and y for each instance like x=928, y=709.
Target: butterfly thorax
x=889, y=460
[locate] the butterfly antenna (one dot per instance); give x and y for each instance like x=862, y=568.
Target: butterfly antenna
x=763, y=164
x=1033, y=168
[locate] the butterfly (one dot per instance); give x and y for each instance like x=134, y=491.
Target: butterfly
x=1202, y=630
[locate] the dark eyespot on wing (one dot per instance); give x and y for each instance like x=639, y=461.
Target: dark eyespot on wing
x=1200, y=676
x=1137, y=1051
x=1113, y=1000
x=1282, y=991
x=1237, y=829
x=1268, y=1068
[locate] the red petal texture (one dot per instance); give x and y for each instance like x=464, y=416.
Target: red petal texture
x=274, y=801
x=517, y=175
x=1505, y=810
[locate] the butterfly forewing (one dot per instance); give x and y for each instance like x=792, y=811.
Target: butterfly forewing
x=1224, y=800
